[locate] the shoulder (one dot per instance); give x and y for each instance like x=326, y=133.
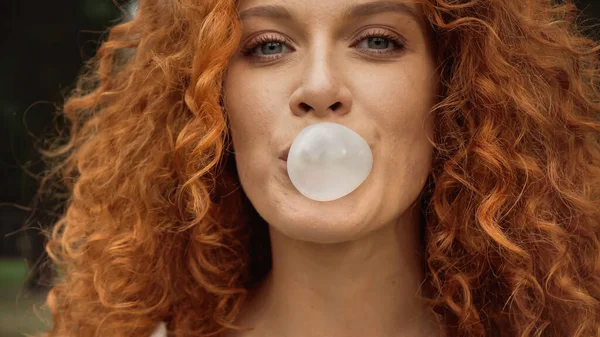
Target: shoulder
x=160, y=330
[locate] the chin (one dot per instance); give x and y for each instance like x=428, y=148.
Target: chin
x=300, y=218
x=292, y=214
x=318, y=229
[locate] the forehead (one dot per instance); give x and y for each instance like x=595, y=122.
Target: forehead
x=327, y=10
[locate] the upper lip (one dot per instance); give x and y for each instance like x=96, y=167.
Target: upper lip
x=284, y=153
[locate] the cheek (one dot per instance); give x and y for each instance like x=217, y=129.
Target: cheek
x=398, y=99
x=241, y=106
x=398, y=102
x=398, y=107
x=250, y=111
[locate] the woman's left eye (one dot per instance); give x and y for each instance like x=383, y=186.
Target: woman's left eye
x=377, y=42
x=380, y=43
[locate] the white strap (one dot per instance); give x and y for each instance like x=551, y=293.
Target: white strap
x=160, y=330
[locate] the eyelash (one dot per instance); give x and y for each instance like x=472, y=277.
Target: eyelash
x=398, y=43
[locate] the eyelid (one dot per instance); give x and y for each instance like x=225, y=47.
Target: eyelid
x=264, y=38
x=396, y=38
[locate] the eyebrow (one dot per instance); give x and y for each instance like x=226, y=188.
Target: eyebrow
x=267, y=11
x=352, y=12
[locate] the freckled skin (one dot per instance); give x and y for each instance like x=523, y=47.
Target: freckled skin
x=326, y=73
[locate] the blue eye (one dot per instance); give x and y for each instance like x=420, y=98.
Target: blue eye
x=266, y=46
x=271, y=48
x=377, y=42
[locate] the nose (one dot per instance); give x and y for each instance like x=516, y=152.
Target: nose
x=321, y=90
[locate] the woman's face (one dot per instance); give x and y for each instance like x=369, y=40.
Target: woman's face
x=364, y=64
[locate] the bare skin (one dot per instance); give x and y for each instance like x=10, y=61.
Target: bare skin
x=350, y=267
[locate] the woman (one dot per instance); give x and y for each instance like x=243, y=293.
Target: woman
x=480, y=216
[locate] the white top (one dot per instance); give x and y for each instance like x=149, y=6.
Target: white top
x=160, y=330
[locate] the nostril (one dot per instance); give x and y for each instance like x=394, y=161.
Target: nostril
x=335, y=106
x=305, y=107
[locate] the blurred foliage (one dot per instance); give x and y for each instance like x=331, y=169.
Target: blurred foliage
x=12, y=272
x=43, y=51
x=43, y=46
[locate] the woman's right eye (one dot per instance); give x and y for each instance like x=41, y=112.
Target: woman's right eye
x=271, y=48
x=266, y=48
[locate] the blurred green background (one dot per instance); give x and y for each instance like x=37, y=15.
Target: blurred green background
x=20, y=309
x=43, y=46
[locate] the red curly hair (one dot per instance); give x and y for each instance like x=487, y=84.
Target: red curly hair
x=155, y=228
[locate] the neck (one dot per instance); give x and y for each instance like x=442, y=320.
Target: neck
x=366, y=287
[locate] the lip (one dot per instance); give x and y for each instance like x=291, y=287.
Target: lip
x=283, y=154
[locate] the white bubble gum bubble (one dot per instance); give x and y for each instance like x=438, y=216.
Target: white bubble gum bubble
x=328, y=161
